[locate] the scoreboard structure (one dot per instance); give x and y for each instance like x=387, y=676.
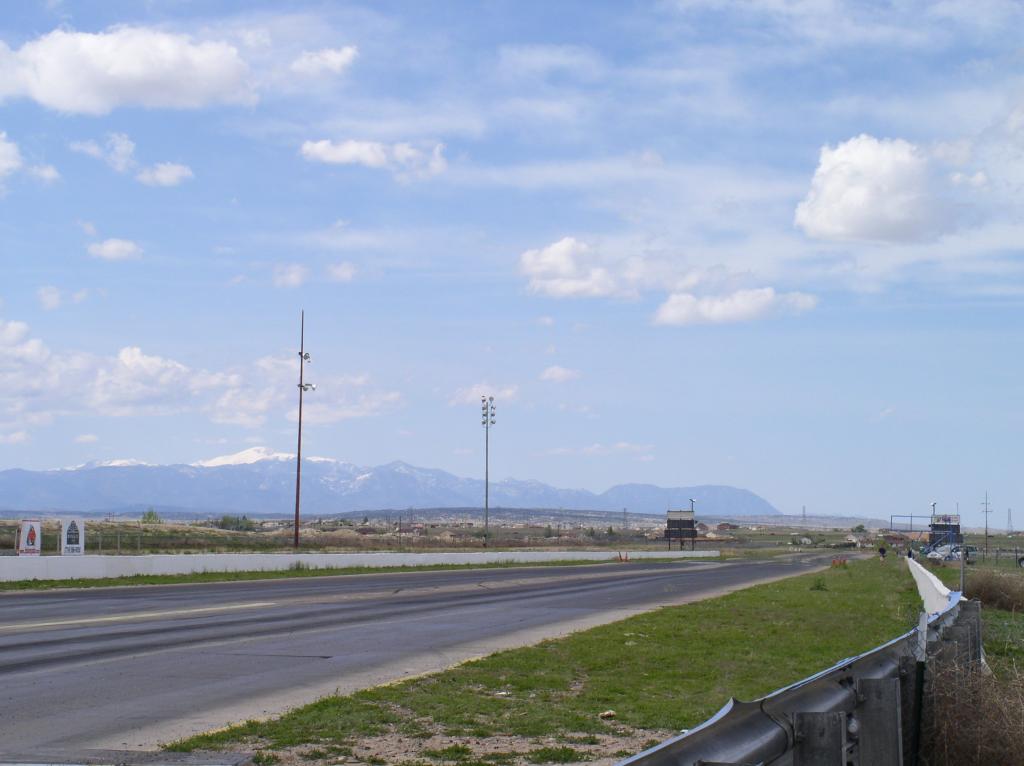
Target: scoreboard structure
x=679, y=525
x=945, y=528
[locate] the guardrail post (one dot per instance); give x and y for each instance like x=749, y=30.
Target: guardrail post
x=880, y=730
x=908, y=699
x=819, y=739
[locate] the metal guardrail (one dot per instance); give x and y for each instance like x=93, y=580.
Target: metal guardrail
x=849, y=713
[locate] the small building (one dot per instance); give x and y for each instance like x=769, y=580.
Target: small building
x=725, y=526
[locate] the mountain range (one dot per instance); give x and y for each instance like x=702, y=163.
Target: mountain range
x=258, y=482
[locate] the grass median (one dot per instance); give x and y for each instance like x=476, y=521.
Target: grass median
x=303, y=571
x=658, y=672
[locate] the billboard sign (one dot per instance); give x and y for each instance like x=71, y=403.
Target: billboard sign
x=30, y=537
x=680, y=515
x=946, y=518
x=72, y=537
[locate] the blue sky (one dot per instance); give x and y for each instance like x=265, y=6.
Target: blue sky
x=770, y=244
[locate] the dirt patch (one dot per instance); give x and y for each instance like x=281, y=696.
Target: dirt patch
x=396, y=748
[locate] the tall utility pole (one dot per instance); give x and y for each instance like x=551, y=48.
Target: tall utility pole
x=625, y=524
x=804, y=516
x=487, y=420
x=986, y=511
x=1009, y=521
x=303, y=388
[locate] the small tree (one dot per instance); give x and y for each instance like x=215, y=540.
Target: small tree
x=858, y=528
x=548, y=531
x=151, y=516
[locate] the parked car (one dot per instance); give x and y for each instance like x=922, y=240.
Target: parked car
x=953, y=553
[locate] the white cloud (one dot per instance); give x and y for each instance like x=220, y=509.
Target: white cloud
x=165, y=174
x=115, y=250
x=88, y=228
x=557, y=374
x=15, y=437
x=531, y=61
x=325, y=61
x=290, y=275
x=38, y=386
x=561, y=270
x=86, y=439
x=10, y=157
x=94, y=73
x=472, y=394
x=45, y=173
x=341, y=272
x=49, y=297
x=873, y=189
x=118, y=151
x=403, y=159
x=740, y=306
x=599, y=449
x=138, y=383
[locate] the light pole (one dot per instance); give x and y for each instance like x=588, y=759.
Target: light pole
x=303, y=388
x=693, y=540
x=487, y=420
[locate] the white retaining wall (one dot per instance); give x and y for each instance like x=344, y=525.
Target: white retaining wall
x=934, y=594
x=77, y=567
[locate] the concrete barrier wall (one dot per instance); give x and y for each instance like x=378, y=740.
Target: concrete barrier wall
x=934, y=594
x=77, y=567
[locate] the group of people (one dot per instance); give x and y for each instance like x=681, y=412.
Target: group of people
x=882, y=551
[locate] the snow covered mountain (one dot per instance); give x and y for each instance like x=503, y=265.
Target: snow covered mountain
x=259, y=481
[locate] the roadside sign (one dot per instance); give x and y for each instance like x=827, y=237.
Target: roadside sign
x=72, y=537
x=30, y=537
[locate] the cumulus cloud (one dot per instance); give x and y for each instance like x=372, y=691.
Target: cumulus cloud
x=118, y=151
x=49, y=297
x=165, y=174
x=557, y=374
x=38, y=386
x=403, y=158
x=15, y=437
x=94, y=73
x=325, y=61
x=115, y=250
x=138, y=383
x=45, y=173
x=10, y=157
x=873, y=189
x=472, y=394
x=341, y=272
x=290, y=275
x=740, y=306
x=562, y=270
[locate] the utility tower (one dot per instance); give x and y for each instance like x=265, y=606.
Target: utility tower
x=986, y=510
x=1009, y=521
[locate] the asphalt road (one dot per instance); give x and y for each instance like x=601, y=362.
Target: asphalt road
x=131, y=667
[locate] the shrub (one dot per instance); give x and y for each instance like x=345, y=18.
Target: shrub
x=151, y=517
x=977, y=717
x=997, y=590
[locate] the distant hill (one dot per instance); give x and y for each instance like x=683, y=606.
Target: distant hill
x=260, y=482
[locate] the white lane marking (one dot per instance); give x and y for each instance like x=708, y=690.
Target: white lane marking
x=136, y=616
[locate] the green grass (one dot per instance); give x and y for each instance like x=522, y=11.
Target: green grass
x=202, y=577
x=1002, y=630
x=664, y=670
